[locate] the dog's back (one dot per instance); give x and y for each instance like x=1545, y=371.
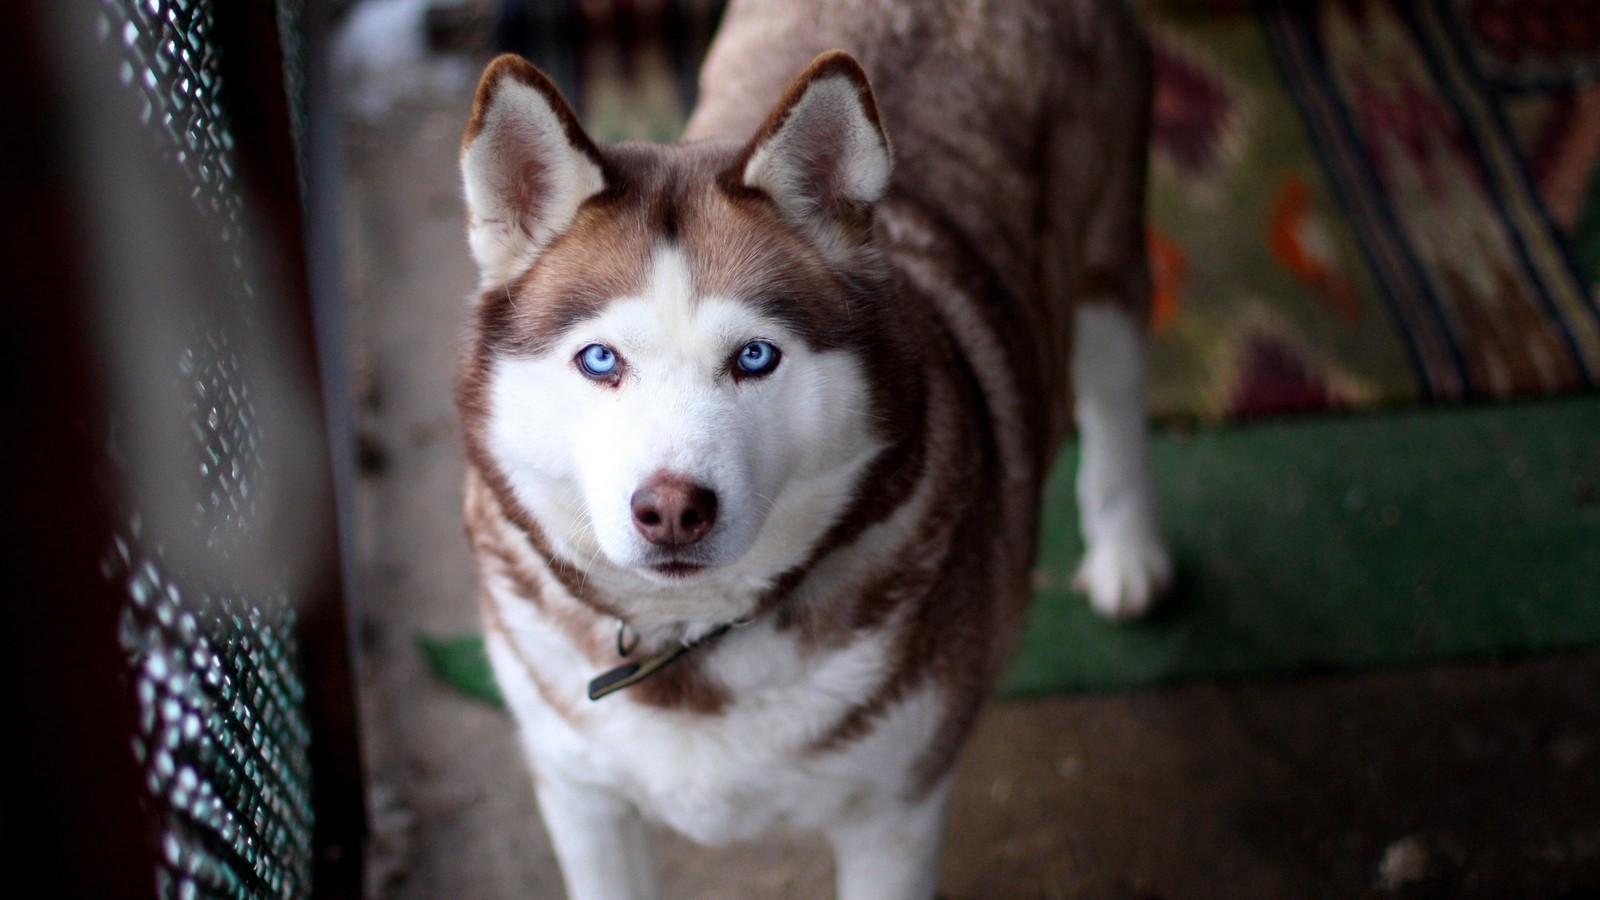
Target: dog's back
x=1011, y=123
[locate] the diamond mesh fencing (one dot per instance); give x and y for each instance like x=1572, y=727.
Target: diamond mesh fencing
x=223, y=734
x=292, y=27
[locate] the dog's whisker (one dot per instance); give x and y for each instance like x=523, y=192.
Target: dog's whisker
x=767, y=503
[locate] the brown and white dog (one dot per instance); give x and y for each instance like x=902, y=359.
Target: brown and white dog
x=757, y=421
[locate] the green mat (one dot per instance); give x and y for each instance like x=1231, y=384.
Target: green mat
x=1324, y=544
x=1345, y=543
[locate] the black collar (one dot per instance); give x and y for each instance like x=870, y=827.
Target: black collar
x=629, y=674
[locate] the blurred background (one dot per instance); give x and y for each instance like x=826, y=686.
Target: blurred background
x=243, y=656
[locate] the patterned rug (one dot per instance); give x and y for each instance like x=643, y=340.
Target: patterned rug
x=1362, y=203
x=1354, y=204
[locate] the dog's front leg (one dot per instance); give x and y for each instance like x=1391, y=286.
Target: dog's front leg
x=599, y=840
x=894, y=854
x=1125, y=565
x=1095, y=259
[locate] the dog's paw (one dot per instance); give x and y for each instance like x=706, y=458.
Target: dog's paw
x=1123, y=578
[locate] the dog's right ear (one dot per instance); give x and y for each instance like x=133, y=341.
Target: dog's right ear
x=527, y=166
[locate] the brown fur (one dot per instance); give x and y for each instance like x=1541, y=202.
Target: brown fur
x=1008, y=154
x=1005, y=210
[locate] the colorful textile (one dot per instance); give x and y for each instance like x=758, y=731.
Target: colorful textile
x=1364, y=203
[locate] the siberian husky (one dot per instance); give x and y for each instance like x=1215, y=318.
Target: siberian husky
x=757, y=421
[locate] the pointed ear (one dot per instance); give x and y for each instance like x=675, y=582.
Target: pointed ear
x=526, y=165
x=822, y=154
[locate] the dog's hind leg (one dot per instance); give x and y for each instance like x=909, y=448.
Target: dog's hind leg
x=599, y=840
x=893, y=855
x=1095, y=260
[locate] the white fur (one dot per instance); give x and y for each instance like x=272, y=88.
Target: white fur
x=724, y=778
x=520, y=130
x=1125, y=566
x=893, y=856
x=735, y=776
x=781, y=452
x=599, y=840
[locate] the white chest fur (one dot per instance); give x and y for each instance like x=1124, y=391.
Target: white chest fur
x=754, y=766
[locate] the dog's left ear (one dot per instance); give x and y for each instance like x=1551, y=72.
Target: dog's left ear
x=822, y=154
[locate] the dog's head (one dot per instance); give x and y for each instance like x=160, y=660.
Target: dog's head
x=680, y=357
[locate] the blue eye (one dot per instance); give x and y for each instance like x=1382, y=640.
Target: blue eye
x=757, y=358
x=597, y=360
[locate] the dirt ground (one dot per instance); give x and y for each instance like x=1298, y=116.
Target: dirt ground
x=1479, y=780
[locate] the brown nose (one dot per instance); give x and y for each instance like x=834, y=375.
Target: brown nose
x=672, y=511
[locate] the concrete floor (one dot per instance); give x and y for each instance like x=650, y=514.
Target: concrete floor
x=1465, y=781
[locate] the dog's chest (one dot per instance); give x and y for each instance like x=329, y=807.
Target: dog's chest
x=764, y=761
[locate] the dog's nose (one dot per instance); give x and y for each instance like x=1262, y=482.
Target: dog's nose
x=672, y=511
